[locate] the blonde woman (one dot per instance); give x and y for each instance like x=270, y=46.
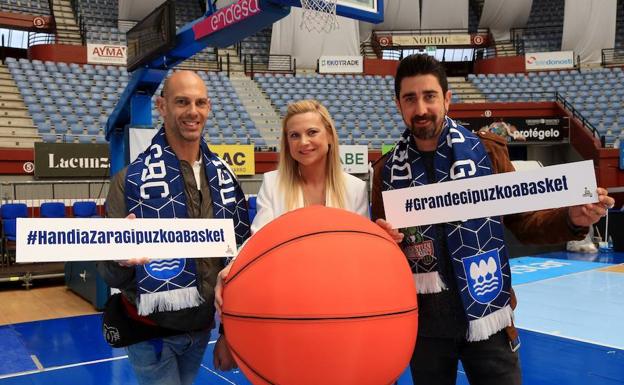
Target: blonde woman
x=309, y=173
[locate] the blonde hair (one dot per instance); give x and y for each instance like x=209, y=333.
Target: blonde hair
x=290, y=181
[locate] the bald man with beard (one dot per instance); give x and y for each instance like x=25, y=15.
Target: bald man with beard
x=177, y=338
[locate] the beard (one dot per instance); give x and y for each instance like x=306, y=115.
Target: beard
x=428, y=131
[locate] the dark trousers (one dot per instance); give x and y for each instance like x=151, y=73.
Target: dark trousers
x=489, y=362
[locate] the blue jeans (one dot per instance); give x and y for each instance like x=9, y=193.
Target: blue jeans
x=169, y=361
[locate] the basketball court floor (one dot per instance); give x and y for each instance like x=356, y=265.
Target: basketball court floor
x=570, y=315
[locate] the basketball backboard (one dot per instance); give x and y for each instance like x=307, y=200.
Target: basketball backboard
x=365, y=10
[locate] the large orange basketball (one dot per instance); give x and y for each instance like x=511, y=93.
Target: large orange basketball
x=321, y=296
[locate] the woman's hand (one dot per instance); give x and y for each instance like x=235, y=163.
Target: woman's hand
x=392, y=232
x=219, y=287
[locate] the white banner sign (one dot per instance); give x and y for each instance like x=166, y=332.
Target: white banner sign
x=354, y=158
x=499, y=194
x=341, y=64
x=139, y=140
x=431, y=40
x=97, y=239
x=549, y=60
x=107, y=54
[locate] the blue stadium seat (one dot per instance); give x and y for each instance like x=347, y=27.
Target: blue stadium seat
x=60, y=128
x=76, y=128
x=376, y=143
x=49, y=109
x=44, y=127
x=93, y=129
x=259, y=142
x=48, y=138
x=252, y=207
x=52, y=210
x=86, y=139
x=85, y=209
x=9, y=212
x=34, y=109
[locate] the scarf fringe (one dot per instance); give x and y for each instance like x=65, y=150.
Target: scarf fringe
x=171, y=300
x=482, y=328
x=429, y=283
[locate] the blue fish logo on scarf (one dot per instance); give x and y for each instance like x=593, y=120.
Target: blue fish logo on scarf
x=155, y=189
x=165, y=269
x=485, y=280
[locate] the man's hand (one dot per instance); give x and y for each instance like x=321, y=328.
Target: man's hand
x=587, y=215
x=222, y=357
x=219, y=287
x=133, y=261
x=392, y=232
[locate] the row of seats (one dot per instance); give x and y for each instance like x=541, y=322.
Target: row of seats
x=29, y=7
x=107, y=37
x=546, y=13
x=186, y=11
x=101, y=19
x=79, y=209
x=362, y=106
x=68, y=98
x=72, y=103
x=619, y=27
x=540, y=40
x=598, y=95
x=544, y=29
x=258, y=44
x=208, y=54
x=48, y=137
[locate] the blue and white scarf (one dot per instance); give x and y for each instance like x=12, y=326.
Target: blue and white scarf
x=155, y=189
x=476, y=246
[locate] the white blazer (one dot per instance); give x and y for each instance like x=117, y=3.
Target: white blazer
x=270, y=203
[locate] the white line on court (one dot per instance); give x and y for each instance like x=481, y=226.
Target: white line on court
x=217, y=374
x=36, y=361
x=572, y=338
x=53, y=368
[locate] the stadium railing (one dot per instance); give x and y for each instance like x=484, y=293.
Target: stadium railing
x=612, y=57
x=284, y=64
x=577, y=115
x=35, y=38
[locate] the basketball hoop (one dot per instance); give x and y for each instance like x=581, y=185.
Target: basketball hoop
x=319, y=15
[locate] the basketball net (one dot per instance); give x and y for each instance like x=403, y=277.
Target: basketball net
x=319, y=15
